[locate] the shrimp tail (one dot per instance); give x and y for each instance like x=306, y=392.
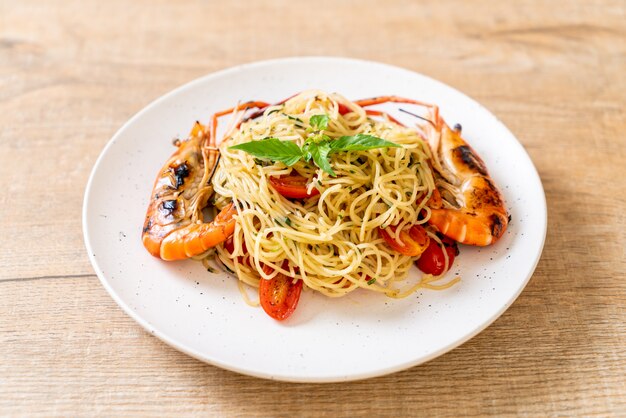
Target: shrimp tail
x=197, y=238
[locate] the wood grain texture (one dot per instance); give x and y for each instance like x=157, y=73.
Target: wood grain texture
x=72, y=72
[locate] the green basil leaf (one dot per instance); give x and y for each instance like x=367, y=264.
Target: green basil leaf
x=319, y=122
x=272, y=149
x=306, y=149
x=320, y=152
x=360, y=142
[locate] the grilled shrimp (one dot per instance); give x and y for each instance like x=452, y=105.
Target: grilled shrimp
x=174, y=228
x=472, y=210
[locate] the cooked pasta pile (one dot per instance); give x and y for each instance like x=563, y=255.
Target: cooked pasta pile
x=331, y=240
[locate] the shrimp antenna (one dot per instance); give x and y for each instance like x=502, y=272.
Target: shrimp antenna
x=418, y=116
x=217, y=161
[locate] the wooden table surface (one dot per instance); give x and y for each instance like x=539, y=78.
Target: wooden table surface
x=72, y=72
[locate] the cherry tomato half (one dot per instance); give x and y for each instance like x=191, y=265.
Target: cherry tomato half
x=279, y=296
x=432, y=260
x=414, y=240
x=292, y=186
x=229, y=244
x=343, y=109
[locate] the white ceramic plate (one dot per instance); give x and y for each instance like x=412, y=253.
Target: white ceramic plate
x=358, y=336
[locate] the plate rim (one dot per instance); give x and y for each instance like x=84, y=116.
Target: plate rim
x=287, y=377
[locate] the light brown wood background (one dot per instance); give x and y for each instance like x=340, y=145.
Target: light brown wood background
x=72, y=72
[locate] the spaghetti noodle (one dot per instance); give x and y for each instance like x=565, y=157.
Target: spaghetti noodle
x=330, y=240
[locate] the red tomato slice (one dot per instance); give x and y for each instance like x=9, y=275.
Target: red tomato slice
x=343, y=109
x=432, y=260
x=229, y=245
x=293, y=186
x=414, y=240
x=242, y=259
x=279, y=296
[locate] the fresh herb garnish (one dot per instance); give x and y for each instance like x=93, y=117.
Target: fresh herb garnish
x=360, y=142
x=317, y=147
x=320, y=152
x=273, y=149
x=319, y=122
x=371, y=281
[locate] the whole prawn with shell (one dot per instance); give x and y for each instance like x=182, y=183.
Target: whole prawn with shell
x=472, y=209
x=174, y=228
x=465, y=207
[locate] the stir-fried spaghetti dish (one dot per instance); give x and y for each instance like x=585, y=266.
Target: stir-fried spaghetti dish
x=321, y=192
